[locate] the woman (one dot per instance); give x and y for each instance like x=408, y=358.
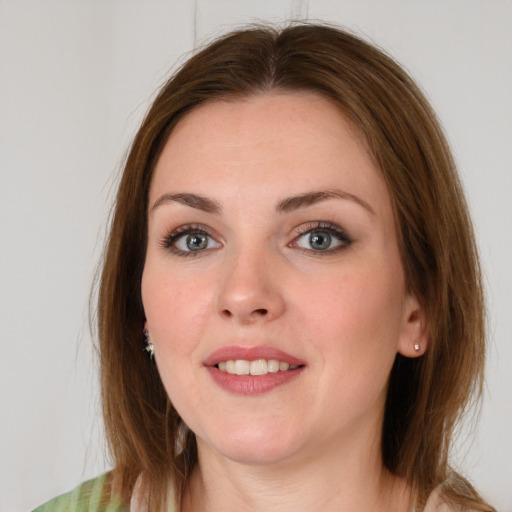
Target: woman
x=292, y=249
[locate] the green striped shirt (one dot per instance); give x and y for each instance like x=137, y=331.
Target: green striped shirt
x=92, y=496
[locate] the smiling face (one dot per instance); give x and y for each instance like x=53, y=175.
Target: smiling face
x=271, y=242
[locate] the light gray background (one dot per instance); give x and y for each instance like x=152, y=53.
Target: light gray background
x=75, y=79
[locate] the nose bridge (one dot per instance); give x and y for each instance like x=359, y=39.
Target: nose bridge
x=249, y=290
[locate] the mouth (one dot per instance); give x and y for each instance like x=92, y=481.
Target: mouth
x=256, y=367
x=252, y=370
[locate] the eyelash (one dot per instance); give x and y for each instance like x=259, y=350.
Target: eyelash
x=169, y=241
x=323, y=227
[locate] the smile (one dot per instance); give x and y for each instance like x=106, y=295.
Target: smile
x=257, y=367
x=254, y=370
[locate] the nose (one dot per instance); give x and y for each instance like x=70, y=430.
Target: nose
x=250, y=291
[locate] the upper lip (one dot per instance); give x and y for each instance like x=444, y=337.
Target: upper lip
x=234, y=352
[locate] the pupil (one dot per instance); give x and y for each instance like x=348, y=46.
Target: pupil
x=320, y=240
x=196, y=241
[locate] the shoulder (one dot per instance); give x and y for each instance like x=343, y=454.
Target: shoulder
x=437, y=502
x=92, y=496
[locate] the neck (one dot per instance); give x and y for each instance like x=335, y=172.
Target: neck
x=330, y=479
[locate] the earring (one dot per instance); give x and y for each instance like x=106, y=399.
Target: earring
x=417, y=347
x=149, y=348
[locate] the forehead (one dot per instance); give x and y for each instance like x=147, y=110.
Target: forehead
x=259, y=119
x=287, y=141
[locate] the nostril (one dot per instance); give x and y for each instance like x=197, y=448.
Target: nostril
x=254, y=313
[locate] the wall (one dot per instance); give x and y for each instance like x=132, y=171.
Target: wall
x=75, y=80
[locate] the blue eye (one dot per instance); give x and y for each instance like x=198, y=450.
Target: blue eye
x=188, y=240
x=320, y=240
x=192, y=242
x=323, y=237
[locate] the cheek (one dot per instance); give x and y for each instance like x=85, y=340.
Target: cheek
x=176, y=309
x=175, y=313
x=357, y=300
x=356, y=323
x=355, y=330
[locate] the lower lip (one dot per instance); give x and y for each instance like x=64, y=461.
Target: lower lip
x=252, y=384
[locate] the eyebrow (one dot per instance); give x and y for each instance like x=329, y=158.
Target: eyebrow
x=310, y=198
x=193, y=200
x=284, y=206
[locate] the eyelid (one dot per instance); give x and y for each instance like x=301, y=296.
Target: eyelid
x=333, y=229
x=169, y=239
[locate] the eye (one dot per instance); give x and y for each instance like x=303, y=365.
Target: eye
x=322, y=237
x=189, y=241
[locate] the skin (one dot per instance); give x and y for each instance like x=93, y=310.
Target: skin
x=314, y=442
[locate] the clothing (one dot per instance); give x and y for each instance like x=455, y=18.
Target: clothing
x=95, y=496
x=91, y=496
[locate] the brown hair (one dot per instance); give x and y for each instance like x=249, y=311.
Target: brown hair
x=426, y=395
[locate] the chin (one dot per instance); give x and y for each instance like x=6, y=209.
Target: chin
x=254, y=445
x=256, y=455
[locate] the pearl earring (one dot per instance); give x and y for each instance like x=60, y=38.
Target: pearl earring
x=149, y=348
x=417, y=347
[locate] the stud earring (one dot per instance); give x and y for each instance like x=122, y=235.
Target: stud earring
x=149, y=348
x=417, y=347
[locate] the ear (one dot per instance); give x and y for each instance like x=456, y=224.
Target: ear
x=414, y=335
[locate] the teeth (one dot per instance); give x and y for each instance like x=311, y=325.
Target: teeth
x=242, y=367
x=257, y=367
x=273, y=365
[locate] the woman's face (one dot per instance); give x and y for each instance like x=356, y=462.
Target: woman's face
x=273, y=287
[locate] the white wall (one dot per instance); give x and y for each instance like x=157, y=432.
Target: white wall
x=75, y=79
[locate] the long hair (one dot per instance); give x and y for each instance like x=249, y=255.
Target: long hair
x=426, y=395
